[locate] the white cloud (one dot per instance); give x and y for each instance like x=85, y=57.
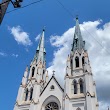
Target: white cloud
x=38, y=37
x=103, y=106
x=3, y=54
x=20, y=36
x=15, y=55
x=99, y=57
x=7, y=55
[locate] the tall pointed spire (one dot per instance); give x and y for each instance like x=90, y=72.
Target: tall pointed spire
x=78, y=42
x=40, y=51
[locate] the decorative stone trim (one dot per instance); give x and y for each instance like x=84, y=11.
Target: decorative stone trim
x=66, y=97
x=34, y=101
x=71, y=77
x=89, y=94
x=76, y=96
x=23, y=103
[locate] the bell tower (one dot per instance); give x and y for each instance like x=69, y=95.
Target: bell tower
x=80, y=89
x=34, y=80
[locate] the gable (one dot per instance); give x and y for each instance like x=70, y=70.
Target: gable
x=52, y=92
x=52, y=82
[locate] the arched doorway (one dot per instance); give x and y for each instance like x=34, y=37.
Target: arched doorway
x=51, y=103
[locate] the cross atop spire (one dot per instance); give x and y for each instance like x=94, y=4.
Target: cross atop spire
x=40, y=51
x=78, y=42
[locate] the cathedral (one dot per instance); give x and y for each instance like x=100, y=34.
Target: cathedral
x=39, y=92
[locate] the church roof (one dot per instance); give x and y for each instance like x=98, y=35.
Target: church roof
x=53, y=77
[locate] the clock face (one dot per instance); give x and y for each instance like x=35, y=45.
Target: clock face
x=52, y=106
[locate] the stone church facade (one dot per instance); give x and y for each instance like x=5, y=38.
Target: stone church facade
x=38, y=92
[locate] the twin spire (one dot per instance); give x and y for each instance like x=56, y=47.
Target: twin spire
x=78, y=42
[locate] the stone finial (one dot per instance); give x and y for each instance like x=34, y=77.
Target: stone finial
x=27, y=68
x=85, y=54
x=47, y=74
x=68, y=59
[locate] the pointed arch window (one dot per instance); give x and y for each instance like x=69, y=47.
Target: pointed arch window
x=26, y=96
x=71, y=64
x=77, y=61
x=83, y=61
x=43, y=74
x=33, y=70
x=75, y=86
x=81, y=85
x=31, y=93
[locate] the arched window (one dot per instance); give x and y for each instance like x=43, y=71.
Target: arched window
x=31, y=93
x=52, y=106
x=33, y=70
x=71, y=64
x=26, y=96
x=43, y=74
x=77, y=62
x=83, y=61
x=81, y=85
x=75, y=86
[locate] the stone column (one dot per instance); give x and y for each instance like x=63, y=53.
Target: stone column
x=78, y=88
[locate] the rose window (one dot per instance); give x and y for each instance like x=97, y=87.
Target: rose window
x=52, y=106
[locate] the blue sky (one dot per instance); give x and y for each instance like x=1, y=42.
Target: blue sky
x=14, y=55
